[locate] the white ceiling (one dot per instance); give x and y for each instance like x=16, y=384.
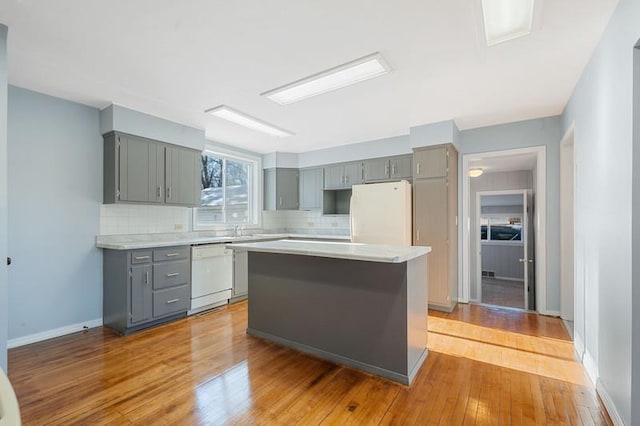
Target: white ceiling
x=174, y=59
x=507, y=163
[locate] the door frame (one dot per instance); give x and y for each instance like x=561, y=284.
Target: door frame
x=539, y=221
x=478, y=272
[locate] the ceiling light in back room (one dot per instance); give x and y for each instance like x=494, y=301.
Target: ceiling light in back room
x=237, y=117
x=477, y=172
x=506, y=19
x=353, y=72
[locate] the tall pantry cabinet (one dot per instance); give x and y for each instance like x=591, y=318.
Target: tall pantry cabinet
x=435, y=220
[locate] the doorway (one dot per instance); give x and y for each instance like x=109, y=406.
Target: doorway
x=504, y=256
x=499, y=172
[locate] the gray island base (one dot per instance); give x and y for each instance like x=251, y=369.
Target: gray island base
x=366, y=314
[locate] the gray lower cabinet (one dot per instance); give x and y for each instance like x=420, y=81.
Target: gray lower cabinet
x=145, y=171
x=281, y=189
x=311, y=185
x=145, y=287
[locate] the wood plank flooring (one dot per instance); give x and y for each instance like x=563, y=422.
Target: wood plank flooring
x=485, y=366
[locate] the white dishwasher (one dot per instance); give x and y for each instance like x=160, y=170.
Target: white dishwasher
x=211, y=276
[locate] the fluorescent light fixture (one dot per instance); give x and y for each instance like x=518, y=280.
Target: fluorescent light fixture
x=353, y=72
x=476, y=172
x=506, y=19
x=237, y=117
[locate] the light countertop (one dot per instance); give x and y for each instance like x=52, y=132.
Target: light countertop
x=339, y=250
x=140, y=241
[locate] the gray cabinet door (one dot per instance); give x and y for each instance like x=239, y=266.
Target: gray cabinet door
x=400, y=167
x=141, y=168
x=141, y=294
x=287, y=189
x=181, y=178
x=430, y=162
x=270, y=189
x=353, y=174
x=377, y=169
x=334, y=177
x=240, y=273
x=311, y=184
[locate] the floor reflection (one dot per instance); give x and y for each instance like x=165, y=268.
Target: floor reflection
x=545, y=356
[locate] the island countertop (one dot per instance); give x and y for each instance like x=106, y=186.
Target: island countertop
x=338, y=250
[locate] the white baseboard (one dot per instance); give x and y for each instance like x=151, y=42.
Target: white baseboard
x=50, y=334
x=590, y=366
x=550, y=313
x=608, y=404
x=578, y=346
x=507, y=278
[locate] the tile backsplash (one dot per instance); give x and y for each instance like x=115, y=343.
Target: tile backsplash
x=120, y=219
x=117, y=219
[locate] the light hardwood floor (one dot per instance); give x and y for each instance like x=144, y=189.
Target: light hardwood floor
x=485, y=366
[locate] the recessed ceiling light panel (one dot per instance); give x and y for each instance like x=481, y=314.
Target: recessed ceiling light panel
x=248, y=121
x=477, y=172
x=347, y=74
x=506, y=19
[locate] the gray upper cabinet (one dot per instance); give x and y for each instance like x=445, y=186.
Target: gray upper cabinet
x=388, y=168
x=311, y=184
x=281, y=189
x=140, y=170
x=431, y=162
x=400, y=167
x=342, y=175
x=182, y=176
x=376, y=169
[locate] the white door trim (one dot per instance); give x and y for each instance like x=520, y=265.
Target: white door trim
x=540, y=221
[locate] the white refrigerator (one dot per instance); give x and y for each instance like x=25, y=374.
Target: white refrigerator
x=381, y=213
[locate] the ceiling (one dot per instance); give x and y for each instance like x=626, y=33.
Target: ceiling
x=505, y=163
x=174, y=59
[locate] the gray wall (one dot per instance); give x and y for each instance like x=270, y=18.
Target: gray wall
x=4, y=317
x=522, y=134
x=398, y=145
x=503, y=260
x=601, y=108
x=55, y=192
x=490, y=182
x=116, y=117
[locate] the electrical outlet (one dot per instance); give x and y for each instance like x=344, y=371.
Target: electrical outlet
x=177, y=227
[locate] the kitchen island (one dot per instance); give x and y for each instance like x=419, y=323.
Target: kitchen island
x=361, y=305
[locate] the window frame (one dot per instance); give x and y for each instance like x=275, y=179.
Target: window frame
x=254, y=184
x=489, y=241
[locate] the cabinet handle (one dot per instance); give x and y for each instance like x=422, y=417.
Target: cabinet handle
x=386, y=169
x=418, y=168
x=146, y=277
x=393, y=170
x=142, y=257
x=173, y=274
x=159, y=191
x=172, y=254
x=172, y=301
x=418, y=235
x=280, y=201
x=168, y=192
